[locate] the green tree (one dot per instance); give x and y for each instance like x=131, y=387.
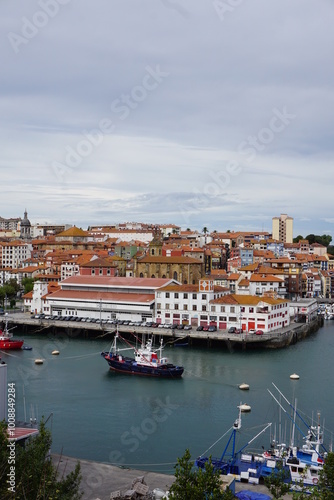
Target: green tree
x=35, y=474
x=196, y=485
x=298, y=238
x=330, y=249
x=326, y=480
x=276, y=482
x=28, y=284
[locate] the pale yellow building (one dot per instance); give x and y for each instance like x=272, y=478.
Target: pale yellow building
x=283, y=228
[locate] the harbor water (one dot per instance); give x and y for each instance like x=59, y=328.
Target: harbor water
x=146, y=423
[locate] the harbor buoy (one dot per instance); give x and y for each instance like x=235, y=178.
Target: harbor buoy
x=39, y=361
x=55, y=353
x=294, y=376
x=245, y=408
x=244, y=387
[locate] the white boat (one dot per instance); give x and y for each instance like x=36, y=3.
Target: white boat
x=306, y=462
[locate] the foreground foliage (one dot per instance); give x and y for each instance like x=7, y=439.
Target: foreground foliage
x=35, y=476
x=196, y=485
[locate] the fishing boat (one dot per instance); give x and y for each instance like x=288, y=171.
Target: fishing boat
x=244, y=466
x=147, y=361
x=6, y=338
x=305, y=462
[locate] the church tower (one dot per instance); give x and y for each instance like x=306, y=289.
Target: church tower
x=25, y=227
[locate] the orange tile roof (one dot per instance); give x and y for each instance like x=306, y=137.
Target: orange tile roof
x=73, y=232
x=82, y=295
x=263, y=278
x=116, y=281
x=170, y=260
x=247, y=300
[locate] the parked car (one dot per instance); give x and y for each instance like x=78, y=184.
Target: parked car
x=199, y=329
x=174, y=326
x=238, y=330
x=252, y=330
x=180, y=327
x=188, y=327
x=206, y=328
x=232, y=329
x=259, y=332
x=212, y=328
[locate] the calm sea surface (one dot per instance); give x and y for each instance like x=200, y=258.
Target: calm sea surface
x=147, y=423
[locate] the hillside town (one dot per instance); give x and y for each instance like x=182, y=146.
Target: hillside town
x=140, y=273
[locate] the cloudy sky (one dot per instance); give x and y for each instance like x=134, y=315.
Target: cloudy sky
x=214, y=113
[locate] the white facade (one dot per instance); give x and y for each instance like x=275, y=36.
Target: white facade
x=272, y=284
x=184, y=304
x=104, y=297
x=68, y=269
x=248, y=312
x=304, y=307
x=14, y=254
x=40, y=290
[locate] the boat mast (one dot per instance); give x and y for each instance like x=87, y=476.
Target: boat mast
x=294, y=426
x=160, y=349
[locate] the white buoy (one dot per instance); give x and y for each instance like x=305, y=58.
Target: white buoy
x=245, y=408
x=39, y=361
x=244, y=387
x=55, y=353
x=294, y=376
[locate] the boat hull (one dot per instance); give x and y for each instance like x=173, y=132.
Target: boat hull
x=130, y=367
x=10, y=344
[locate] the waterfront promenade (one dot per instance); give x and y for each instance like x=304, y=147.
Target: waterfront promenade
x=279, y=338
x=99, y=479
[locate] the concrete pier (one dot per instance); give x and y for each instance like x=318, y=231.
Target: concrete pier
x=272, y=340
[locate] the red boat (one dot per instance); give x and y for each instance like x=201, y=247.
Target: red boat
x=7, y=341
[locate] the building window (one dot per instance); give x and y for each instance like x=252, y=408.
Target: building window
x=194, y=307
x=213, y=308
x=203, y=308
x=167, y=306
x=203, y=296
x=158, y=306
x=194, y=296
x=176, y=306
x=176, y=295
x=185, y=295
x=93, y=271
x=232, y=309
x=222, y=309
x=185, y=307
x=167, y=295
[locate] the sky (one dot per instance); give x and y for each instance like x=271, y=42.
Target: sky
x=215, y=113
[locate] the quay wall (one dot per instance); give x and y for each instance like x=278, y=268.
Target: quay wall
x=295, y=332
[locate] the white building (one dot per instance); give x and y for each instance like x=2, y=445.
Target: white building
x=14, y=253
x=304, y=310
x=103, y=297
x=248, y=312
x=261, y=284
x=185, y=304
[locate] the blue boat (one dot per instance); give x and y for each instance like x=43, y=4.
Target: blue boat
x=246, y=467
x=146, y=362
